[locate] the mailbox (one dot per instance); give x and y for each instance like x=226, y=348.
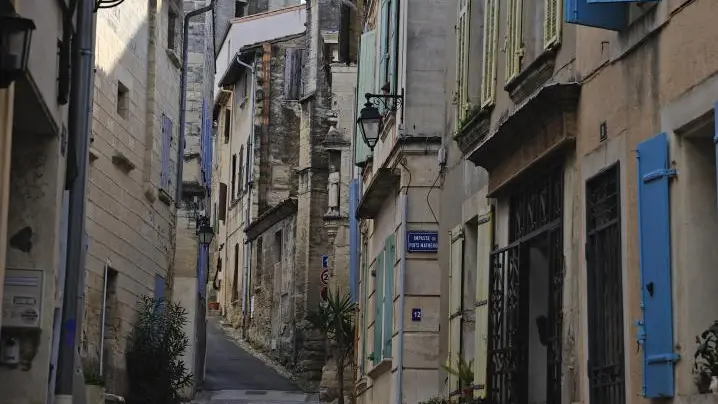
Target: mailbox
x=22, y=298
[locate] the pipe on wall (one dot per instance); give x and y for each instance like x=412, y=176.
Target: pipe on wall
x=402, y=301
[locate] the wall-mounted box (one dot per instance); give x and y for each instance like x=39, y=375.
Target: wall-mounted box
x=22, y=298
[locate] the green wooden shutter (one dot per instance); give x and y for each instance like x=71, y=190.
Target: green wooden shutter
x=491, y=44
x=514, y=46
x=390, y=258
x=365, y=84
x=392, y=75
x=364, y=308
x=378, y=307
x=552, y=23
x=481, y=306
x=384, y=13
x=455, y=297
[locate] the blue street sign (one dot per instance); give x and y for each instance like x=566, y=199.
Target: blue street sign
x=415, y=314
x=325, y=261
x=422, y=241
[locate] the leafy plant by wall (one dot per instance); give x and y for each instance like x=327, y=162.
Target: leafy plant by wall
x=335, y=320
x=705, y=365
x=155, y=348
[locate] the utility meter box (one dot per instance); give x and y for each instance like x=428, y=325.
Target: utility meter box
x=22, y=298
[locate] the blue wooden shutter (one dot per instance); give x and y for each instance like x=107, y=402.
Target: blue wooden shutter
x=389, y=258
x=612, y=16
x=159, y=288
x=378, y=307
x=655, y=331
x=365, y=84
x=393, y=51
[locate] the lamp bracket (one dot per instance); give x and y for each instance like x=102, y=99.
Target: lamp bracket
x=390, y=102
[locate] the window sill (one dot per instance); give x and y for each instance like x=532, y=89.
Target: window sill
x=380, y=368
x=538, y=72
x=164, y=196
x=174, y=58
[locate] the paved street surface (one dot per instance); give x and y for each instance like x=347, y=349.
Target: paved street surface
x=235, y=377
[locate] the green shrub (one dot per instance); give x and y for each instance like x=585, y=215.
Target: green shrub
x=155, y=347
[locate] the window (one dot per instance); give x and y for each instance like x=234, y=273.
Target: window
x=514, y=43
x=293, y=59
x=165, y=181
x=365, y=84
x=171, y=29
x=384, y=301
x=606, y=372
x=462, y=59
x=491, y=45
x=234, y=177
x=240, y=175
x=239, y=9
x=227, y=125
x=278, y=245
x=222, y=202
x=389, y=18
x=235, y=278
x=552, y=23
x=123, y=100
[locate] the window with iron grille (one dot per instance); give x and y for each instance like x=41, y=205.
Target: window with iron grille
x=605, y=289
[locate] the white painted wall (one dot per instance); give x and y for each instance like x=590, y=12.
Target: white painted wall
x=255, y=29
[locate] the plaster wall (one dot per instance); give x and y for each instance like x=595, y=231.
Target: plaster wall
x=649, y=88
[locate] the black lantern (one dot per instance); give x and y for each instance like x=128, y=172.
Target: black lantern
x=370, y=124
x=205, y=233
x=15, y=36
x=371, y=121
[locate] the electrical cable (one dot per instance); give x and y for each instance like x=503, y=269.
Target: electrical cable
x=428, y=194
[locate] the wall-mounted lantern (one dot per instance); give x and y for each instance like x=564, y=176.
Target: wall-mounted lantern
x=371, y=121
x=15, y=38
x=205, y=232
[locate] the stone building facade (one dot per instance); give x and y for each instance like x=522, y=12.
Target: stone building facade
x=574, y=231
x=131, y=216
x=34, y=142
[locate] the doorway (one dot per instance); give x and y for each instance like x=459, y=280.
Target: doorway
x=526, y=298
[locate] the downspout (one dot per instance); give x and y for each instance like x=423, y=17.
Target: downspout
x=183, y=96
x=250, y=184
x=80, y=115
x=402, y=301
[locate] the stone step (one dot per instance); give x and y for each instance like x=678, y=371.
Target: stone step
x=255, y=397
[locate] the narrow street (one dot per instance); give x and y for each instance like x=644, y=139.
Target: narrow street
x=236, y=377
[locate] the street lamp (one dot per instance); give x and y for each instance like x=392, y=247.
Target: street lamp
x=205, y=233
x=371, y=121
x=15, y=37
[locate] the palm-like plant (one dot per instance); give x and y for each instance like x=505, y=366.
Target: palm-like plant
x=335, y=320
x=464, y=373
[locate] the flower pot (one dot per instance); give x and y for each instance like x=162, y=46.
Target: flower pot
x=94, y=394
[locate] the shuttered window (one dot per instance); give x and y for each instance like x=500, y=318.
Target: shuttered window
x=392, y=48
x=166, y=126
x=389, y=260
x=514, y=42
x=364, y=306
x=462, y=59
x=490, y=51
x=293, y=58
x=552, y=23
x=240, y=175
x=656, y=327
x=481, y=303
x=456, y=282
x=222, y=201
x=365, y=84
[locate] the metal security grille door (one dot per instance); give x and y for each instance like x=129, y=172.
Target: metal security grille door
x=535, y=218
x=605, y=289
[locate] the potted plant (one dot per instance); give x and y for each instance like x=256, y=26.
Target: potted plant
x=94, y=385
x=705, y=366
x=465, y=374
